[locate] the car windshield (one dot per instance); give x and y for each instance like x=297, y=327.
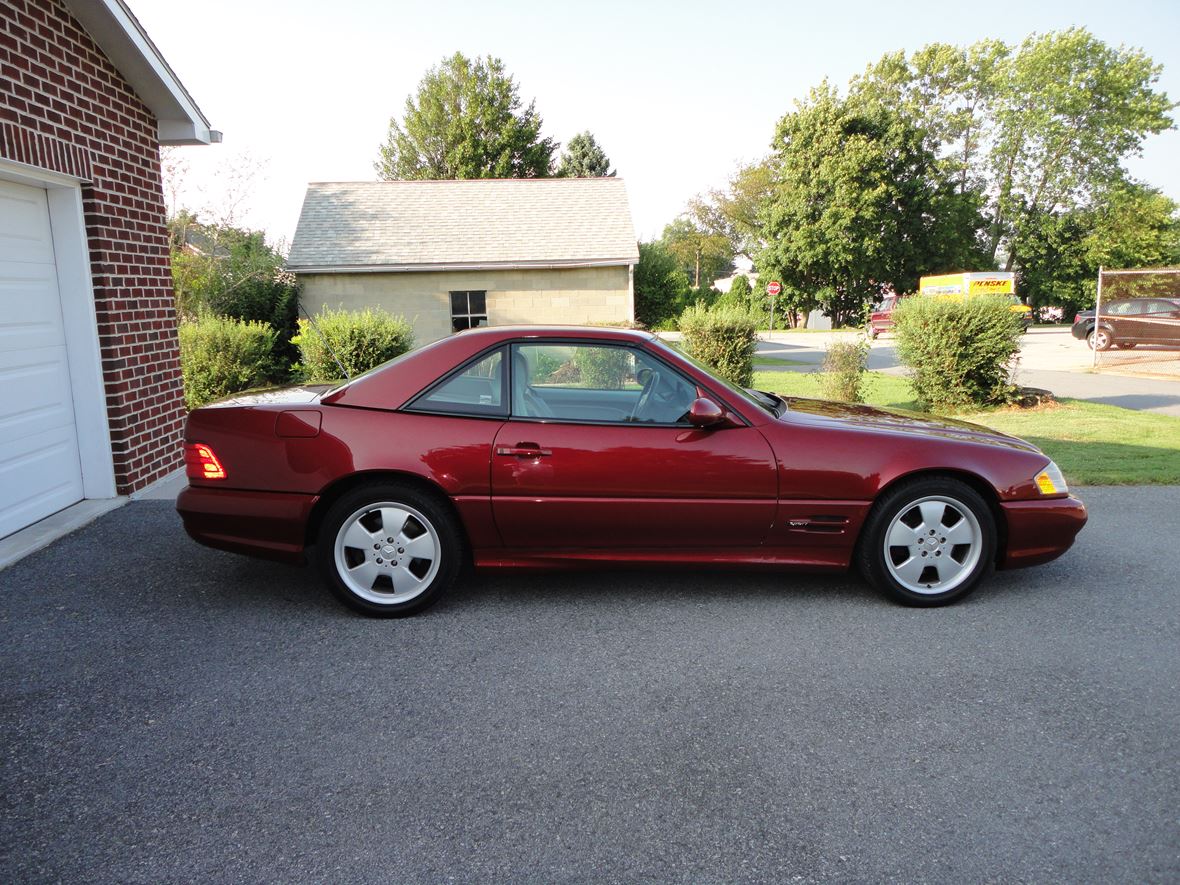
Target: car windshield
x=768, y=402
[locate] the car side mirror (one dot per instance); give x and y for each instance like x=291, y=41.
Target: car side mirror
x=705, y=413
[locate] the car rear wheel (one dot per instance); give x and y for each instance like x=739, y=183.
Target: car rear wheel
x=1099, y=339
x=928, y=542
x=1126, y=345
x=389, y=550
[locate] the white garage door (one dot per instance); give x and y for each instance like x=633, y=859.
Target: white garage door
x=40, y=471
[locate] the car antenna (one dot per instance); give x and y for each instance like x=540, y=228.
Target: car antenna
x=324, y=338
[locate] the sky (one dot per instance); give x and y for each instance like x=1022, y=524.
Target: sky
x=678, y=94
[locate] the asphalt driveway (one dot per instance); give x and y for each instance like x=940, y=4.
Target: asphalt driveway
x=176, y=714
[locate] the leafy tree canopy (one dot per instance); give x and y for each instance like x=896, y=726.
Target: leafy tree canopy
x=583, y=158
x=1043, y=127
x=466, y=121
x=1132, y=226
x=734, y=212
x=703, y=254
x=859, y=205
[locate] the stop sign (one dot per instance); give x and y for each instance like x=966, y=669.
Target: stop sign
x=774, y=287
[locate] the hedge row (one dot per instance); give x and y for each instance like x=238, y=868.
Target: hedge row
x=220, y=355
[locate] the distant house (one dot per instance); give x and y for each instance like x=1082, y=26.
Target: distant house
x=449, y=255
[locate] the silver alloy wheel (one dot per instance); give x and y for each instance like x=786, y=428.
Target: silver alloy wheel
x=933, y=545
x=387, y=553
x=1099, y=339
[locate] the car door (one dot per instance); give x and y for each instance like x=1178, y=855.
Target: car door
x=597, y=454
x=1160, y=322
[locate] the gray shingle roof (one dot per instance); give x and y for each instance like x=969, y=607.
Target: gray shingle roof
x=420, y=225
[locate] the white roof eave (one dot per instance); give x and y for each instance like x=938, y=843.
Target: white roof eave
x=122, y=38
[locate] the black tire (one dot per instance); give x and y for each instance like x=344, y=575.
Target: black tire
x=901, y=501
x=1126, y=345
x=426, y=515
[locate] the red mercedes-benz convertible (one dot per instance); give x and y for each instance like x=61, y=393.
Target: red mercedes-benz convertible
x=537, y=447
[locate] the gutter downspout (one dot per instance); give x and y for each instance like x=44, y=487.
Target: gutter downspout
x=631, y=293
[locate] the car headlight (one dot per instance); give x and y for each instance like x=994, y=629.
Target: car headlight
x=1050, y=481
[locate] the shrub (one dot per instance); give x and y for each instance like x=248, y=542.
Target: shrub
x=844, y=370
x=659, y=285
x=959, y=351
x=270, y=299
x=221, y=355
x=360, y=340
x=602, y=368
x=722, y=338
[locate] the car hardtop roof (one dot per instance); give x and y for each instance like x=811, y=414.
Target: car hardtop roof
x=505, y=333
x=395, y=382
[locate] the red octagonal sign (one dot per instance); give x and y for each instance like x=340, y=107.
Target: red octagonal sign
x=774, y=287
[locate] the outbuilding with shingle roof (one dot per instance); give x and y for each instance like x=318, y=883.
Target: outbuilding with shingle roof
x=450, y=255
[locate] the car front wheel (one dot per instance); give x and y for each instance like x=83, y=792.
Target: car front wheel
x=389, y=550
x=1099, y=339
x=928, y=542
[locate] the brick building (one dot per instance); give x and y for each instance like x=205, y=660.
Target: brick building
x=449, y=255
x=91, y=402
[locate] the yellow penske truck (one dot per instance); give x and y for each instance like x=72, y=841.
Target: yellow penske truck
x=965, y=285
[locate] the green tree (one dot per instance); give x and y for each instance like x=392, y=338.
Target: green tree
x=735, y=212
x=1129, y=226
x=1035, y=129
x=466, y=121
x=231, y=272
x=704, y=254
x=660, y=285
x=583, y=158
x=740, y=291
x=860, y=205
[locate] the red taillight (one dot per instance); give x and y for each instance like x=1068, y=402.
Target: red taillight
x=201, y=463
x=1077, y=318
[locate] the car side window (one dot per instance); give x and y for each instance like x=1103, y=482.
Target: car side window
x=597, y=383
x=476, y=389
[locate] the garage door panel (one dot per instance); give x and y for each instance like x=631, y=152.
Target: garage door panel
x=24, y=224
x=37, y=396
x=39, y=475
x=30, y=311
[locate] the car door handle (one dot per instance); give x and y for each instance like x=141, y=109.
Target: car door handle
x=523, y=450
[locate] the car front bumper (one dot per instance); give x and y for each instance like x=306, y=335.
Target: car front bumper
x=271, y=525
x=1040, y=530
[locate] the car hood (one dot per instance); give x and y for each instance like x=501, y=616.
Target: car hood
x=902, y=421
x=299, y=395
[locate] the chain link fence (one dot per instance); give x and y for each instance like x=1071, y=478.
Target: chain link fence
x=1135, y=325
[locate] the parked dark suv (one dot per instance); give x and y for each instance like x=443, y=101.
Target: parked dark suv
x=1126, y=322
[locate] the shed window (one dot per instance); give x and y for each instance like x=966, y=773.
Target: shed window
x=469, y=310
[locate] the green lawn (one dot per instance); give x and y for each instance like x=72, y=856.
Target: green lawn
x=760, y=360
x=1094, y=444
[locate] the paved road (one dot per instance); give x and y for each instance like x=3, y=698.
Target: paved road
x=177, y=714
x=1050, y=358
